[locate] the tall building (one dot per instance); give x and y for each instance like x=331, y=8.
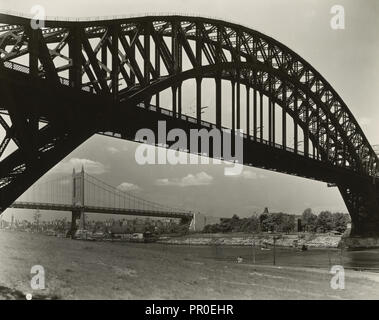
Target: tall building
x=199, y=221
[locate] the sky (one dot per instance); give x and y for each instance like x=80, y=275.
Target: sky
x=347, y=58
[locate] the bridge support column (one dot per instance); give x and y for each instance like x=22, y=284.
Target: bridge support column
x=261, y=116
x=248, y=111
x=255, y=123
x=75, y=215
x=362, y=201
x=187, y=220
x=77, y=201
x=198, y=99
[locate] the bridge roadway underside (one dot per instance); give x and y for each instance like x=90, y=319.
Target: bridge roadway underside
x=361, y=194
x=102, y=210
x=96, y=114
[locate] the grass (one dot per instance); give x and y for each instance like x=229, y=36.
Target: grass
x=155, y=271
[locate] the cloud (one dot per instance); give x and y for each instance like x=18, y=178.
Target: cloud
x=90, y=166
x=198, y=179
x=112, y=150
x=249, y=175
x=126, y=186
x=65, y=182
x=252, y=175
x=364, y=121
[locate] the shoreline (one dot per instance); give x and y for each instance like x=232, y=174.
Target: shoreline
x=265, y=240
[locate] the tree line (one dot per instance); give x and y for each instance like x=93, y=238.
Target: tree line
x=325, y=221
x=283, y=222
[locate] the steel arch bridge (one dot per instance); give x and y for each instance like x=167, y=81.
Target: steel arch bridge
x=86, y=77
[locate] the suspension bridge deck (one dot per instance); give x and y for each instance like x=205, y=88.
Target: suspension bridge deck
x=83, y=193
x=102, y=210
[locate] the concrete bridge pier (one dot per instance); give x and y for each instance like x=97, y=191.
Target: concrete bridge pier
x=77, y=201
x=75, y=215
x=362, y=202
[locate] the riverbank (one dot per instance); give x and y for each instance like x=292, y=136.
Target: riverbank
x=259, y=240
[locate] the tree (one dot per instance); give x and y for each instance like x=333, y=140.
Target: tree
x=309, y=220
x=265, y=222
x=212, y=228
x=288, y=223
x=340, y=221
x=280, y=222
x=250, y=224
x=36, y=218
x=235, y=223
x=226, y=225
x=325, y=221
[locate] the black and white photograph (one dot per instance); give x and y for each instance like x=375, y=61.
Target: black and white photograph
x=171, y=150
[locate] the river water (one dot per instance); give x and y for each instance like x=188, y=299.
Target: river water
x=319, y=258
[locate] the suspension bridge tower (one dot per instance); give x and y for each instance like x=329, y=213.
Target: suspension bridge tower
x=77, y=200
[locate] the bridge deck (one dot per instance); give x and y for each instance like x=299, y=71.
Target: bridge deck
x=102, y=210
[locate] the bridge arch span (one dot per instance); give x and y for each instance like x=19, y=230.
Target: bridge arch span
x=128, y=62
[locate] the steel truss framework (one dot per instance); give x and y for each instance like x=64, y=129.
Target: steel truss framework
x=90, y=73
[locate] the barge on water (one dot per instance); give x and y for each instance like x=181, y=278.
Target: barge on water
x=141, y=237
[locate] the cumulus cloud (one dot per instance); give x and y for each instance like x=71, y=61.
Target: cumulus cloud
x=112, y=150
x=90, y=166
x=126, y=186
x=364, y=121
x=252, y=175
x=198, y=179
x=249, y=175
x=66, y=182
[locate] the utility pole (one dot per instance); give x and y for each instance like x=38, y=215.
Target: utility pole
x=329, y=259
x=275, y=238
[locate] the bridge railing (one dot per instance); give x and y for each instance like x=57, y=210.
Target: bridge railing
x=120, y=16
x=66, y=82
x=25, y=69
x=141, y=211
x=212, y=125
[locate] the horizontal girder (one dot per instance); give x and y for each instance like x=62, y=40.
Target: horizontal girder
x=102, y=210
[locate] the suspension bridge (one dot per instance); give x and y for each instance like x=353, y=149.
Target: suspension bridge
x=81, y=78
x=82, y=193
